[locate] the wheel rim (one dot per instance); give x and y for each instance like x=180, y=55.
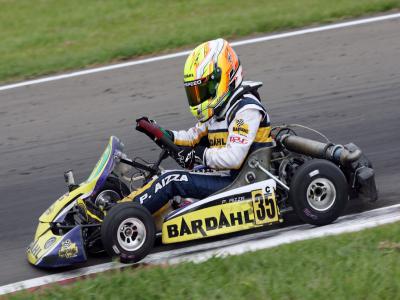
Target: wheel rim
x=131, y=234
x=106, y=197
x=321, y=194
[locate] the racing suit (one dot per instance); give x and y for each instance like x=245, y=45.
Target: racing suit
x=240, y=128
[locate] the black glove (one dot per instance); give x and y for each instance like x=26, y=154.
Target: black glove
x=187, y=156
x=144, y=118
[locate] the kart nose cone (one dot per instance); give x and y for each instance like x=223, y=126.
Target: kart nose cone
x=51, y=251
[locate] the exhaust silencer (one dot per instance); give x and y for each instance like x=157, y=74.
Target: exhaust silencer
x=332, y=152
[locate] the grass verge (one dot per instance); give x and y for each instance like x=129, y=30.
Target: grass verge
x=362, y=265
x=45, y=36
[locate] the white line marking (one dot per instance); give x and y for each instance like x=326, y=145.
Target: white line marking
x=232, y=246
x=301, y=233
x=183, y=53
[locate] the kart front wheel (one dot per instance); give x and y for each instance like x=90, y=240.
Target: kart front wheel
x=112, y=191
x=318, y=192
x=128, y=231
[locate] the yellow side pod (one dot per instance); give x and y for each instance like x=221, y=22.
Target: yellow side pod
x=223, y=218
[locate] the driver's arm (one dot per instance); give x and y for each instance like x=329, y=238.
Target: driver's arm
x=241, y=134
x=190, y=137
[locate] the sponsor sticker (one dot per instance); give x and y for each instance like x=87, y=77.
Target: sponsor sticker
x=241, y=127
x=49, y=242
x=217, y=141
x=68, y=249
x=265, y=209
x=193, y=83
x=238, y=140
x=246, y=211
x=34, y=249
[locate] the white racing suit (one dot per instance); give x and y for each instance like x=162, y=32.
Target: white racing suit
x=240, y=128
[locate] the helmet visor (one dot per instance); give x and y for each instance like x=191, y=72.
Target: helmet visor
x=199, y=91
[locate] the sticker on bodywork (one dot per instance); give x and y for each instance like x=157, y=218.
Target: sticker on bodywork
x=265, y=209
x=255, y=210
x=68, y=249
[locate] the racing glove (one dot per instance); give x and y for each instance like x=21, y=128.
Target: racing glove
x=186, y=157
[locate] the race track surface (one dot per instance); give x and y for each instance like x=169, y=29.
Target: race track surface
x=344, y=82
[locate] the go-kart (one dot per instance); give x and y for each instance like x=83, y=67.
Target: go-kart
x=313, y=179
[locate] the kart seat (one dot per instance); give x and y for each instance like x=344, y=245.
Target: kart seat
x=250, y=173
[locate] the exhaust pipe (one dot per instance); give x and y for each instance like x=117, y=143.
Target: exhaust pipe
x=359, y=169
x=332, y=152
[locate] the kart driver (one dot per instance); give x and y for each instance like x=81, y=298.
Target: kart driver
x=232, y=123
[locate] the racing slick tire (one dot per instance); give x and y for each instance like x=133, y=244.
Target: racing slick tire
x=128, y=231
x=318, y=192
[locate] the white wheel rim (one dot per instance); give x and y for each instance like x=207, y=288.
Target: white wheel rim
x=321, y=194
x=131, y=234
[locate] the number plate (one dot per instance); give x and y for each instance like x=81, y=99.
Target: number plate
x=265, y=208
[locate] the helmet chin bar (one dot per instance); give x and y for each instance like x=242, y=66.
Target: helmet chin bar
x=204, y=118
x=200, y=114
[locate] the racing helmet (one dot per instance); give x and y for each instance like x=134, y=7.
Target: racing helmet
x=212, y=73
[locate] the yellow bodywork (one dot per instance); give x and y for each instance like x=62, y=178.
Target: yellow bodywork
x=40, y=246
x=37, y=249
x=224, y=218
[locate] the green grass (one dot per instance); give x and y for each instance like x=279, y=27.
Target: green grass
x=362, y=265
x=39, y=37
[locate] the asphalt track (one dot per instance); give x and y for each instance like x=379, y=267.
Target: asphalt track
x=344, y=82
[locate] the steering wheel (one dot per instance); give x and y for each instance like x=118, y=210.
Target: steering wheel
x=155, y=133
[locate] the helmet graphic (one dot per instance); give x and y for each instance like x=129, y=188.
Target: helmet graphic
x=212, y=72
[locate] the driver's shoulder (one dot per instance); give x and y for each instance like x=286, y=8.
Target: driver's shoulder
x=247, y=104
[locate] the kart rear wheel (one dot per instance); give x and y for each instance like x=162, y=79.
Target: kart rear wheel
x=128, y=231
x=318, y=192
